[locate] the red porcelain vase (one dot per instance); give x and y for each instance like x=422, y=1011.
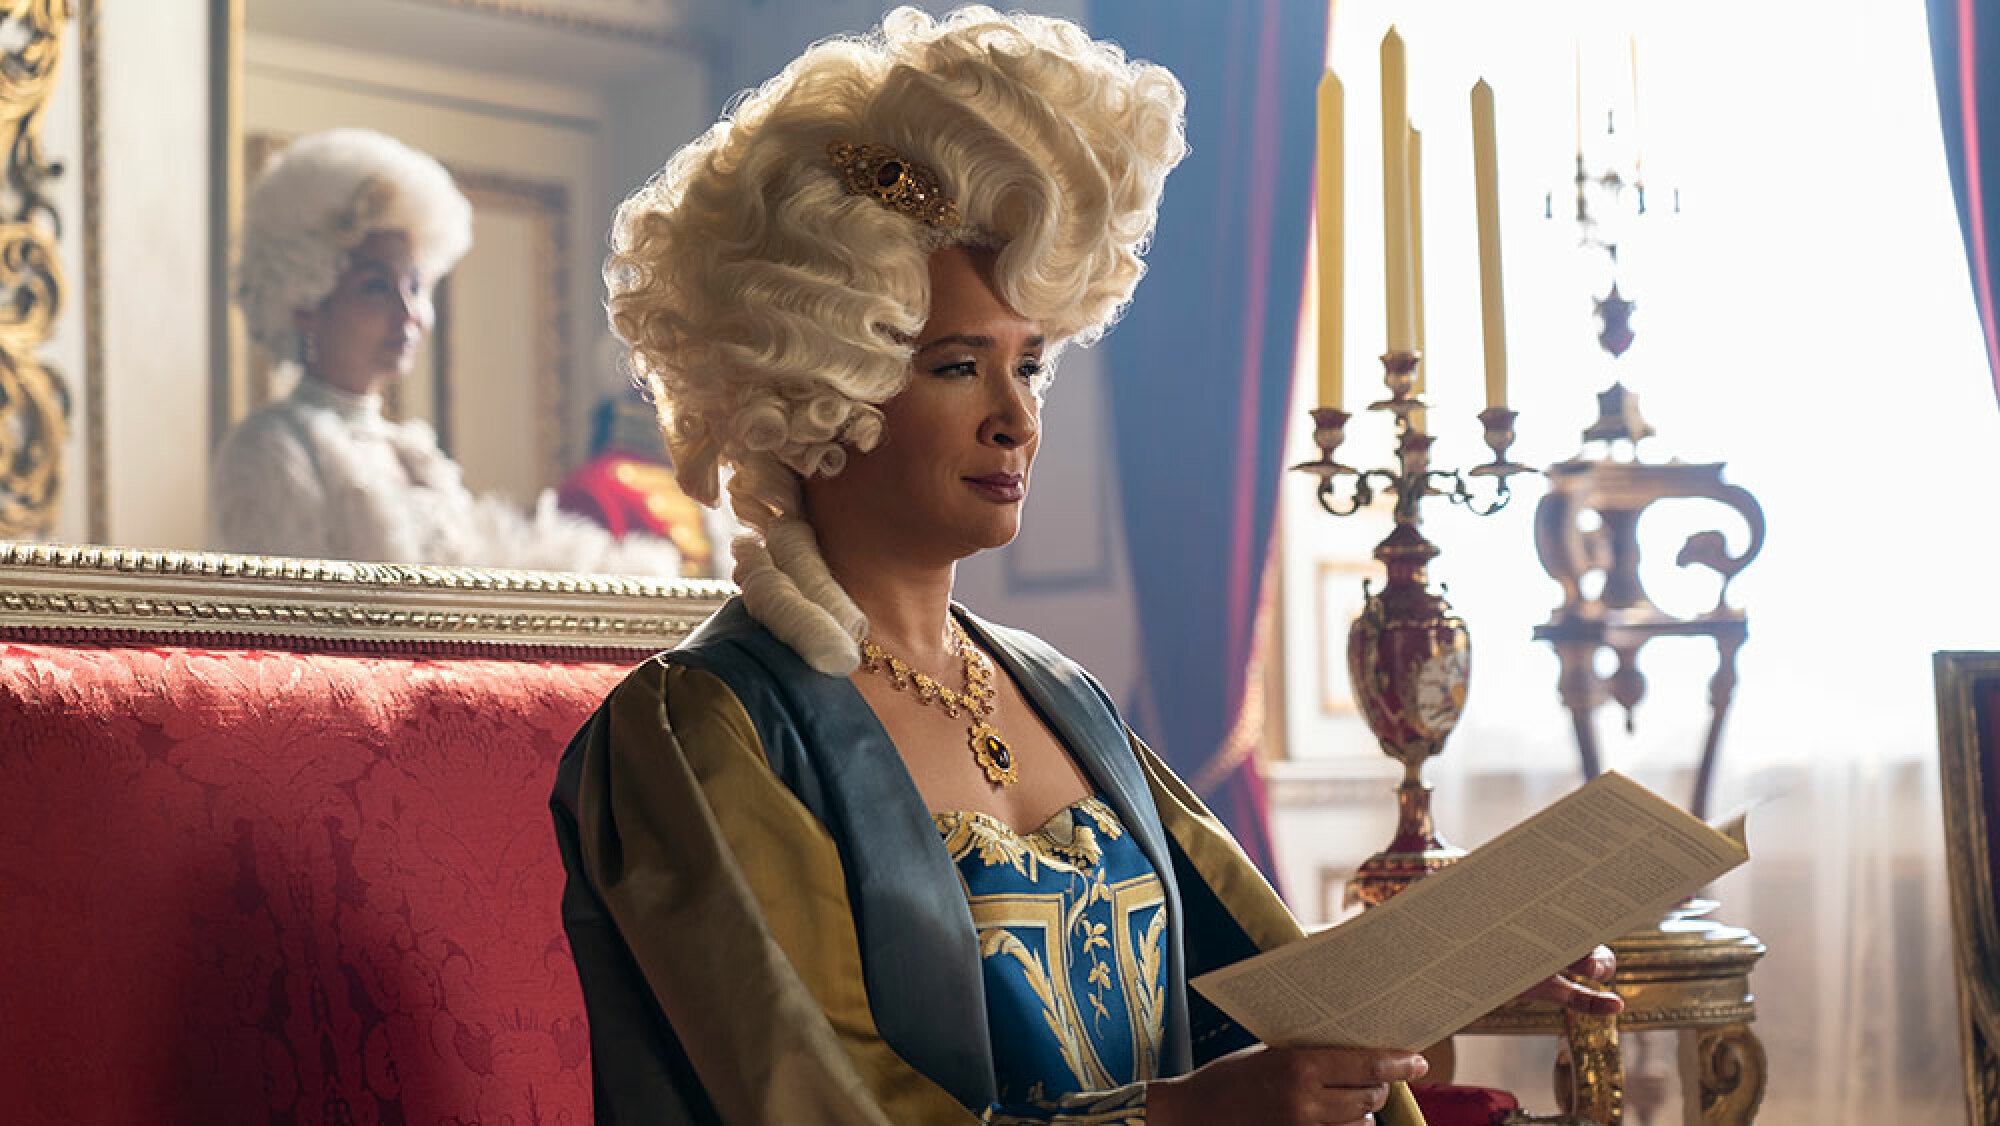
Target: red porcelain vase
x=1410, y=659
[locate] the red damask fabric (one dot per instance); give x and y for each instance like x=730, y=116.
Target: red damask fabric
x=263, y=886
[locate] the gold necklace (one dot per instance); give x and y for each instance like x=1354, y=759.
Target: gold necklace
x=989, y=750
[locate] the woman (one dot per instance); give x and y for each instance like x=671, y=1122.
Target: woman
x=344, y=237
x=850, y=854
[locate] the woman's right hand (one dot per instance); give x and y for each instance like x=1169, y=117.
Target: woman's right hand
x=1283, y=1087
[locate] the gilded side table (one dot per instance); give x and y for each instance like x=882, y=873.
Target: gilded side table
x=1688, y=975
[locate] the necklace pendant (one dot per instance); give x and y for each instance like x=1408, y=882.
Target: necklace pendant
x=993, y=754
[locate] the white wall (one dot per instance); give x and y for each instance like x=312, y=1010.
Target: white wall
x=1067, y=576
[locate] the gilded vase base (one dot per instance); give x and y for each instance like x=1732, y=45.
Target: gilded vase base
x=1384, y=875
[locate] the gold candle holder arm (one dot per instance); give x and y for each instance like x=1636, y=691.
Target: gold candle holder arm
x=1499, y=423
x=1365, y=485
x=1329, y=431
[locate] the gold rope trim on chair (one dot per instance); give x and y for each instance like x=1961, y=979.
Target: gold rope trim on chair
x=59, y=586
x=34, y=400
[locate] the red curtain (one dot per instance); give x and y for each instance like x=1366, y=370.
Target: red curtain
x=1965, y=52
x=1201, y=372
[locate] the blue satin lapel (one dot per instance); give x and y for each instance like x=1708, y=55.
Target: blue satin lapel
x=919, y=949
x=1079, y=715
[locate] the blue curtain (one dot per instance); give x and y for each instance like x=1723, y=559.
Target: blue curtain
x=1201, y=370
x=1965, y=54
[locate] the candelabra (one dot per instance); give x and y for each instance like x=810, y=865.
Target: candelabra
x=1408, y=654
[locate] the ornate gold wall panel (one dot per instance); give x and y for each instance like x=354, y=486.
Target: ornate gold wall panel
x=34, y=400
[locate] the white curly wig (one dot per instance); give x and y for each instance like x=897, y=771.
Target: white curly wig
x=317, y=201
x=772, y=312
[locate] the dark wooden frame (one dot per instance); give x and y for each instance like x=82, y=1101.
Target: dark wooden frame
x=1968, y=697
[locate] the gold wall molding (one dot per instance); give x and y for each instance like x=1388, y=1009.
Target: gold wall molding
x=34, y=399
x=71, y=588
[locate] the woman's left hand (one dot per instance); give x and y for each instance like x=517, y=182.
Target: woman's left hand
x=1581, y=986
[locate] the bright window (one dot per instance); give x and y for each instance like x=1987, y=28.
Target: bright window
x=1805, y=317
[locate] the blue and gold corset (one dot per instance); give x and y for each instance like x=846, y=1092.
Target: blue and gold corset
x=1072, y=937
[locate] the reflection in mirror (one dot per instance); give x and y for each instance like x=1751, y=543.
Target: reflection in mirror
x=345, y=236
x=508, y=407
x=468, y=436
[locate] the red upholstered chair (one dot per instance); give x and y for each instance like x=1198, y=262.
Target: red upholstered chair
x=274, y=844
x=1968, y=690
x=279, y=856
x=1464, y=1106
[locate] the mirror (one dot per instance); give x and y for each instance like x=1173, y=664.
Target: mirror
x=154, y=122
x=517, y=377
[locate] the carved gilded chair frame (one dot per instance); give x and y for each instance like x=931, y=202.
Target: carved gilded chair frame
x=1969, y=785
x=60, y=592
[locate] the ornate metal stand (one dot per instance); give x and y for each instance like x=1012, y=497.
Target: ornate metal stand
x=1686, y=973
x=1409, y=656
x=1622, y=617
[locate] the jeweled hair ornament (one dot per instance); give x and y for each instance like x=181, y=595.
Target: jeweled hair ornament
x=903, y=186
